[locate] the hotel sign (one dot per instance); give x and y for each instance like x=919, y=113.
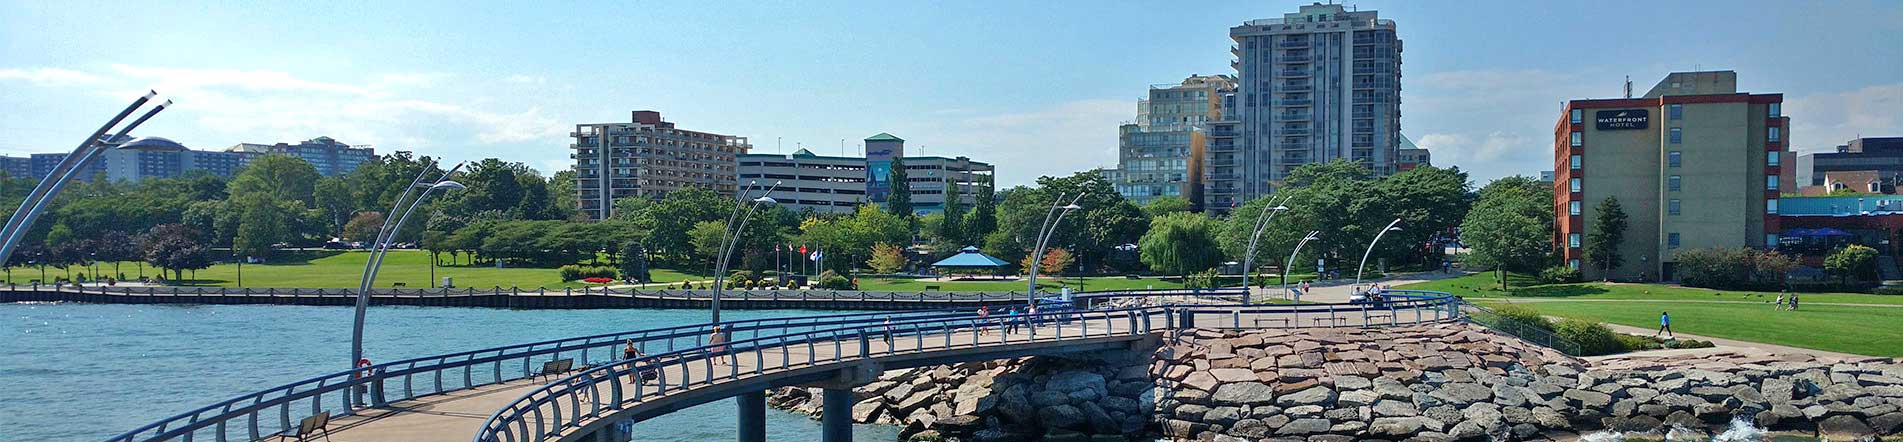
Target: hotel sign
x=1622, y=119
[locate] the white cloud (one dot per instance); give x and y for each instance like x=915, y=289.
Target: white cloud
x=1821, y=121
x=54, y=77
x=1490, y=123
x=526, y=79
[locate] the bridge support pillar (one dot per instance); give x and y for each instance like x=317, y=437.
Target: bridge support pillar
x=836, y=415
x=752, y=416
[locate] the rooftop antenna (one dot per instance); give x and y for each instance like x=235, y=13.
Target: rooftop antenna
x=1628, y=86
x=842, y=147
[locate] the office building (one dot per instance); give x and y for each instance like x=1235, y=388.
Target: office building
x=1694, y=163
x=1163, y=152
x=330, y=157
x=1316, y=85
x=1410, y=156
x=166, y=159
x=647, y=158
x=1882, y=157
x=43, y=164
x=17, y=167
x=837, y=184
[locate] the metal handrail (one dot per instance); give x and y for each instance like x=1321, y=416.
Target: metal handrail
x=1520, y=329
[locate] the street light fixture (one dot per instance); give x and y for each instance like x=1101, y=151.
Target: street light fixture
x=1377, y=239
x=70, y=166
x=1311, y=236
x=1248, y=259
x=730, y=237
x=381, y=246
x=1044, y=237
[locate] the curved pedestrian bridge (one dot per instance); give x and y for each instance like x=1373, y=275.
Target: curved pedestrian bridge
x=497, y=395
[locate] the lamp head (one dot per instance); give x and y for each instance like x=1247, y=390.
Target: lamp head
x=1279, y=207
x=766, y=200
x=1072, y=206
x=447, y=186
x=1394, y=229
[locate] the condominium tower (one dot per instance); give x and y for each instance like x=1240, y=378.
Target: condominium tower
x=1694, y=164
x=647, y=158
x=1162, y=152
x=1320, y=84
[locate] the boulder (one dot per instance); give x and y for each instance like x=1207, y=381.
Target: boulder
x=1588, y=399
x=1394, y=408
x=1844, y=425
x=1395, y=426
x=1062, y=417
x=1311, y=396
x=867, y=410
x=1232, y=374
x=1244, y=393
x=1462, y=393
x=1304, y=427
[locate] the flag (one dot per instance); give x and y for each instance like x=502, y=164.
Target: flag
x=816, y=255
x=802, y=249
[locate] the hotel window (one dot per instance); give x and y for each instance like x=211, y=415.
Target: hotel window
x=1770, y=206
x=1575, y=184
x=1573, y=263
x=1773, y=110
x=1579, y=115
x=1678, y=111
x=1671, y=206
x=1572, y=207
x=1671, y=183
x=1774, y=134
x=1577, y=140
x=1677, y=135
x=1572, y=240
x=1671, y=158
x=1671, y=240
x=1771, y=158
x=1770, y=240
x=1576, y=162
x=1770, y=182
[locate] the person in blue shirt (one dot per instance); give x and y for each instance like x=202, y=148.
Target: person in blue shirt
x=1665, y=324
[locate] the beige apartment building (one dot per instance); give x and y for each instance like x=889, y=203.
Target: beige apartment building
x=1694, y=163
x=647, y=158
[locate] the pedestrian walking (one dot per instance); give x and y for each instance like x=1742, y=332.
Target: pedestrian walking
x=888, y=334
x=1665, y=325
x=1793, y=302
x=1011, y=320
x=1780, y=300
x=984, y=313
x=717, y=347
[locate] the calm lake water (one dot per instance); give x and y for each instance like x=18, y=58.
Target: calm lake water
x=82, y=372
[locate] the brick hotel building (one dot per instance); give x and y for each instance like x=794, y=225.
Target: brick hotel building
x=1694, y=163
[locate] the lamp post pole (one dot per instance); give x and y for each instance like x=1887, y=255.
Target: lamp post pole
x=380, y=247
x=730, y=237
x=1312, y=235
x=1269, y=211
x=1377, y=239
x=1044, y=237
x=68, y=167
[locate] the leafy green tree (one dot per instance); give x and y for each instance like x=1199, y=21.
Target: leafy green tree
x=1853, y=262
x=706, y=238
x=278, y=177
x=177, y=248
x=669, y=220
x=363, y=227
x=899, y=202
x=1607, y=234
x=634, y=262
x=116, y=247
x=950, y=229
x=263, y=222
x=984, y=214
x=1180, y=244
x=1430, y=201
x=338, y=202
x=886, y=258
x=562, y=195
x=1105, y=220
x=1510, y=227
x=1164, y=205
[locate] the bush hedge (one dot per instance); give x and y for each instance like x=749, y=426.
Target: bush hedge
x=1559, y=275
x=1594, y=339
x=573, y=272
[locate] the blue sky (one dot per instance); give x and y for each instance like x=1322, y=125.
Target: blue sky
x=1037, y=88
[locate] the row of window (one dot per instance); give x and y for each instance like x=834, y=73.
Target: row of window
x=1676, y=159
x=1671, y=242
x=1676, y=112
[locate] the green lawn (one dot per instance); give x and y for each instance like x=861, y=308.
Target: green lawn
x=1089, y=283
x=343, y=269
x=1743, y=315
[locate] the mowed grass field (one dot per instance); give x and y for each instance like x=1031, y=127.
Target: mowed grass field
x=1874, y=327
x=1044, y=283
x=343, y=269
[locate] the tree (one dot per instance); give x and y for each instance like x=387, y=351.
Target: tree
x=1055, y=261
x=1105, y=220
x=280, y=177
x=263, y=223
x=1164, y=205
x=669, y=220
x=1180, y=244
x=337, y=201
x=363, y=227
x=634, y=262
x=707, y=236
x=177, y=248
x=115, y=247
x=899, y=202
x=886, y=258
x=984, y=214
x=1510, y=227
x=1608, y=232
x=950, y=229
x=1852, y=262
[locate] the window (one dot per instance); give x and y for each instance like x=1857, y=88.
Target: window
x=1773, y=110
x=1770, y=182
x=1671, y=207
x=1572, y=207
x=1770, y=206
x=1572, y=240
x=1678, y=135
x=1774, y=135
x=1671, y=183
x=1770, y=240
x=1577, y=141
x=1575, y=185
x=1678, y=112
x=1579, y=115
x=1573, y=263
x=1576, y=162
x=1671, y=158
x=1771, y=158
x=1671, y=240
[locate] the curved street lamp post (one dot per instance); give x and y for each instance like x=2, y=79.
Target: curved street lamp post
x=71, y=165
x=1044, y=237
x=1377, y=239
x=381, y=246
x=730, y=237
x=1248, y=259
x=1311, y=236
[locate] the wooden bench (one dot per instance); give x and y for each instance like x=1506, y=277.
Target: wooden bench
x=399, y=285
x=555, y=367
x=931, y=288
x=1259, y=321
x=1332, y=320
x=316, y=423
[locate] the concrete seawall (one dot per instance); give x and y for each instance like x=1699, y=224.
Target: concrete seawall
x=526, y=299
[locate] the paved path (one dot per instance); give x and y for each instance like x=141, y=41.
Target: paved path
x=1722, y=346
x=1766, y=304
x=1338, y=291
x=457, y=416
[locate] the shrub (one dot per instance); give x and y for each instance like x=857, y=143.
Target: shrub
x=1688, y=343
x=573, y=272
x=831, y=280
x=1594, y=339
x=1637, y=343
x=740, y=279
x=1200, y=280
x=1853, y=262
x=1733, y=269
x=1559, y=275
x=1525, y=315
x=1888, y=290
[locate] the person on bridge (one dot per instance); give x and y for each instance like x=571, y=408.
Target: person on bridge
x=631, y=353
x=1665, y=325
x=717, y=347
x=984, y=314
x=888, y=334
x=1011, y=320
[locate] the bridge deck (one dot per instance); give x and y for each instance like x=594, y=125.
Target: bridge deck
x=457, y=416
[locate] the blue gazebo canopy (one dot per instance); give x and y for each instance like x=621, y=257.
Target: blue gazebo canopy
x=969, y=257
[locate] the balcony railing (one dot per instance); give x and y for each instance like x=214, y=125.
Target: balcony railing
x=1292, y=44
x=1294, y=102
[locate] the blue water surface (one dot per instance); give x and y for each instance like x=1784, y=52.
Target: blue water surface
x=85, y=372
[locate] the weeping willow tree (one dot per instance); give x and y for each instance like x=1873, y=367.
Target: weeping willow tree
x=1180, y=244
